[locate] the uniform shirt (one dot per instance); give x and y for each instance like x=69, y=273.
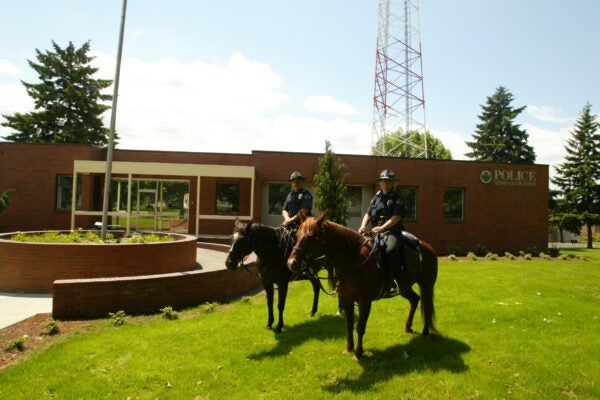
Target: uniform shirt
x=384, y=206
x=294, y=202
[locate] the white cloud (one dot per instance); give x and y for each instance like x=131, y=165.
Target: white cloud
x=232, y=107
x=7, y=68
x=326, y=104
x=453, y=141
x=546, y=114
x=549, y=144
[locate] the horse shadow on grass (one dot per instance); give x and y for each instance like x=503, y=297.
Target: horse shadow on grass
x=321, y=328
x=432, y=353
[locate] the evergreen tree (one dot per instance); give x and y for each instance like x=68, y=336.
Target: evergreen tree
x=497, y=138
x=400, y=144
x=330, y=188
x=579, y=176
x=67, y=100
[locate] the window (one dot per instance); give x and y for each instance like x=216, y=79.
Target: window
x=454, y=204
x=64, y=192
x=410, y=196
x=228, y=198
x=354, y=194
x=277, y=195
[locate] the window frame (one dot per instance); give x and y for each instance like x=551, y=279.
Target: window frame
x=235, y=204
x=64, y=192
x=445, y=211
x=408, y=200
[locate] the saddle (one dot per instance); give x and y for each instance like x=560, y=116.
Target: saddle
x=412, y=259
x=411, y=251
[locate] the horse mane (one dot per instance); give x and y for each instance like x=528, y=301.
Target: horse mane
x=345, y=236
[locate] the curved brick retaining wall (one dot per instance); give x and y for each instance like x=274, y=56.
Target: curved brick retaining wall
x=33, y=267
x=86, y=298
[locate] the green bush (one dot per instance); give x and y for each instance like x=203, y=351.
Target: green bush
x=471, y=256
x=169, y=313
x=51, y=327
x=452, y=257
x=118, y=318
x=16, y=344
x=480, y=251
x=510, y=256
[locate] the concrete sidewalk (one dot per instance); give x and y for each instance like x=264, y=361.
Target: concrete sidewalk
x=15, y=307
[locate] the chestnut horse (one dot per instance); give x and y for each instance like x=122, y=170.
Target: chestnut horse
x=359, y=278
x=272, y=246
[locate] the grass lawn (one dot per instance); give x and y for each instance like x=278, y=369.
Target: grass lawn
x=508, y=330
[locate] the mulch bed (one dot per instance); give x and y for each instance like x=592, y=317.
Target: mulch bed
x=35, y=336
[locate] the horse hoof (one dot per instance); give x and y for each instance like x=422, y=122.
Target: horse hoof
x=311, y=314
x=356, y=358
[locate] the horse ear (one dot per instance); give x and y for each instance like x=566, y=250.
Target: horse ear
x=322, y=218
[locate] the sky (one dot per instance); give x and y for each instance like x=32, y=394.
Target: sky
x=232, y=76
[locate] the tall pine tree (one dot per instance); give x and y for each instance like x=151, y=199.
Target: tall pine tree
x=579, y=176
x=68, y=100
x=330, y=187
x=497, y=138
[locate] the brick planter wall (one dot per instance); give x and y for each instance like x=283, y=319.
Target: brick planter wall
x=86, y=298
x=33, y=267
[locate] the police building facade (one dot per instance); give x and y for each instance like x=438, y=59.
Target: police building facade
x=454, y=205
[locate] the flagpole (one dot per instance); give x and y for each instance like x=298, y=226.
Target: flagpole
x=113, y=119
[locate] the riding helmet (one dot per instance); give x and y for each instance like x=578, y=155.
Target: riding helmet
x=387, y=175
x=297, y=176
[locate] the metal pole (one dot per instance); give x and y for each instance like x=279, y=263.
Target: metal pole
x=113, y=118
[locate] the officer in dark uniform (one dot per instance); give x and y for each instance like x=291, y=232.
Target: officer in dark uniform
x=299, y=199
x=385, y=214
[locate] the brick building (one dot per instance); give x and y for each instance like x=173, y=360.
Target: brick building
x=454, y=205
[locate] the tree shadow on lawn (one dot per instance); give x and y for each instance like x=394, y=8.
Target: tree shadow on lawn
x=431, y=353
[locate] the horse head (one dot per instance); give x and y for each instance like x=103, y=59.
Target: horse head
x=241, y=244
x=309, y=243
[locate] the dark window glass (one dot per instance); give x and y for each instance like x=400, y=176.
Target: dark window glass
x=410, y=196
x=64, y=192
x=354, y=194
x=454, y=204
x=277, y=194
x=228, y=198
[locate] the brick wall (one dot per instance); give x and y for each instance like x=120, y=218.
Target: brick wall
x=86, y=298
x=33, y=267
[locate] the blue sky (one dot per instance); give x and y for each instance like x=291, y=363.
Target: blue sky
x=237, y=75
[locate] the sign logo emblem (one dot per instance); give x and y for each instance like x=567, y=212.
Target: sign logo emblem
x=485, y=176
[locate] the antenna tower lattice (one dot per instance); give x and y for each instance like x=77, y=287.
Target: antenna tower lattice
x=399, y=101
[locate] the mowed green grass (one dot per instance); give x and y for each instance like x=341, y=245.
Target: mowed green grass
x=508, y=330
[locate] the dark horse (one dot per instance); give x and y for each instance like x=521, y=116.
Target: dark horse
x=359, y=277
x=272, y=246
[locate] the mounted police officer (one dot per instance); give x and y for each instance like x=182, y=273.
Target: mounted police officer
x=299, y=199
x=385, y=214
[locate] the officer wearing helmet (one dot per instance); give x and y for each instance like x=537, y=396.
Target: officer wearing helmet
x=385, y=214
x=299, y=199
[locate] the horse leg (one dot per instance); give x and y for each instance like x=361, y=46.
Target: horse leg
x=427, y=309
x=282, y=289
x=270, y=291
x=348, y=306
x=364, y=310
x=413, y=298
x=316, y=291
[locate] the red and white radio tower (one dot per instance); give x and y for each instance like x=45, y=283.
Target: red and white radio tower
x=399, y=101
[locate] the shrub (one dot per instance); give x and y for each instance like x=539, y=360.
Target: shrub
x=118, y=318
x=471, y=256
x=51, y=327
x=16, y=344
x=491, y=256
x=554, y=252
x=510, y=256
x=210, y=307
x=528, y=256
x=456, y=251
x=452, y=257
x=169, y=313
x=480, y=251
